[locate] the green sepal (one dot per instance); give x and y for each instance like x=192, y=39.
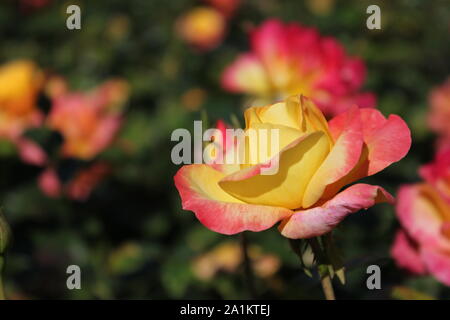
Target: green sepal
x=235, y=121
x=299, y=247
x=334, y=257
x=327, y=257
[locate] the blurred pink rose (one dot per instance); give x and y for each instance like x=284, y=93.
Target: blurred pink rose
x=88, y=121
x=439, y=114
x=423, y=246
x=30, y=152
x=79, y=187
x=49, y=183
x=287, y=59
x=86, y=180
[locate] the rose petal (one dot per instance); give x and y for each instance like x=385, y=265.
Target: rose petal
x=296, y=112
x=406, y=255
x=107, y=129
x=311, y=118
x=418, y=211
x=388, y=142
x=385, y=142
x=282, y=113
x=438, y=264
x=270, y=43
x=246, y=74
x=266, y=140
x=223, y=147
x=342, y=158
x=320, y=220
x=49, y=183
x=297, y=163
x=31, y=153
x=216, y=209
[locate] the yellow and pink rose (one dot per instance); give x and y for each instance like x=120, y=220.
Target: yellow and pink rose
x=319, y=162
x=287, y=59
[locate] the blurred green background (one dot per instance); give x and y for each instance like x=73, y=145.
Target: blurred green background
x=131, y=238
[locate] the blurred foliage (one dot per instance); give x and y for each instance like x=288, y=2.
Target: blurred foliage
x=131, y=238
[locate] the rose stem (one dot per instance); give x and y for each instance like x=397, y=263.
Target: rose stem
x=327, y=287
x=248, y=271
x=324, y=273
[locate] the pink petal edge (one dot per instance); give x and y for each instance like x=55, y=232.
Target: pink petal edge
x=320, y=220
x=405, y=255
x=224, y=217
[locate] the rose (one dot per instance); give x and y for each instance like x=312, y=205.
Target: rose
x=88, y=121
x=423, y=245
x=316, y=159
x=79, y=187
x=439, y=113
x=288, y=59
x=202, y=27
x=20, y=84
